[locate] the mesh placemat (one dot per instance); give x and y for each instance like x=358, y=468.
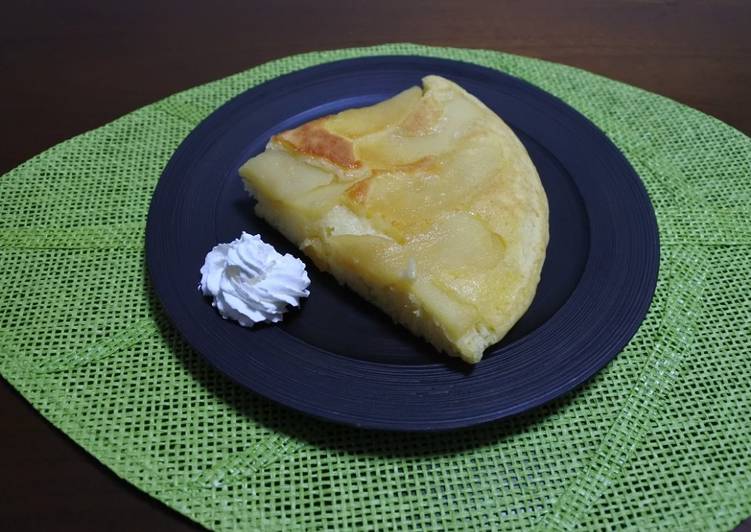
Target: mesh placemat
x=661, y=438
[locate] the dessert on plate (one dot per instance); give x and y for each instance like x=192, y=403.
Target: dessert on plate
x=426, y=204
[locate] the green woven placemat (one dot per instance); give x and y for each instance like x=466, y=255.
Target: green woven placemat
x=661, y=438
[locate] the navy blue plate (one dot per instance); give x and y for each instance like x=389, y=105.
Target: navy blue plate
x=341, y=359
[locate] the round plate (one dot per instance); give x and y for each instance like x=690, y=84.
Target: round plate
x=340, y=358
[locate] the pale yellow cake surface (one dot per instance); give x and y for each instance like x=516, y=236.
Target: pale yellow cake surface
x=426, y=204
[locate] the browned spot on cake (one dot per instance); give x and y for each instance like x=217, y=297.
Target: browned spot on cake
x=422, y=120
x=314, y=139
x=358, y=192
x=424, y=164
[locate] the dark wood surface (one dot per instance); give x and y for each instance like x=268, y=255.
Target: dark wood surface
x=67, y=67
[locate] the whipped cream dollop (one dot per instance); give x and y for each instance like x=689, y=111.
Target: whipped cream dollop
x=251, y=282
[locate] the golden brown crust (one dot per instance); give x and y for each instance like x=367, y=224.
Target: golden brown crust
x=315, y=140
x=422, y=119
x=358, y=192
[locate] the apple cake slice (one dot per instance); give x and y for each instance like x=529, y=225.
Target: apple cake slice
x=426, y=204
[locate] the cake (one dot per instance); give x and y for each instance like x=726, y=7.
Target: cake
x=425, y=204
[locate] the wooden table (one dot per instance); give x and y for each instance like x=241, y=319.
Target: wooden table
x=67, y=67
